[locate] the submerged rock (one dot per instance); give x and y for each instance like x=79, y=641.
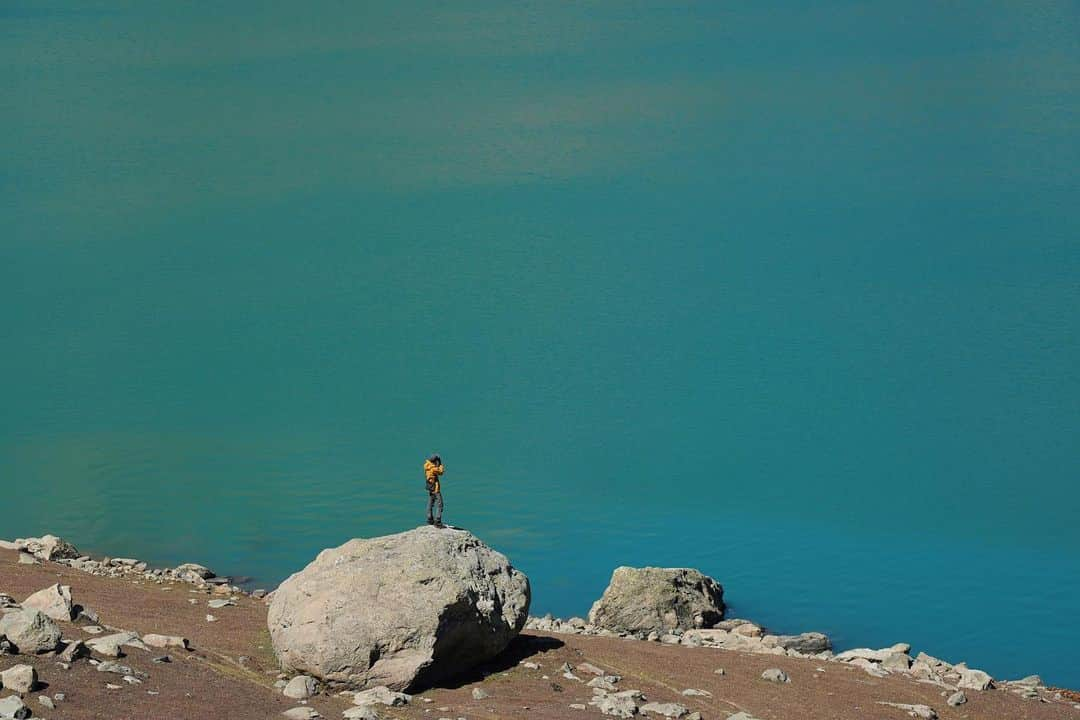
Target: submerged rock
x=642, y=600
x=400, y=610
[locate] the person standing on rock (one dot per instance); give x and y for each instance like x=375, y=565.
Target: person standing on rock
x=433, y=470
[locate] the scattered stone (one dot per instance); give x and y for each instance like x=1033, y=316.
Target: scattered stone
x=775, y=675
x=13, y=707
x=925, y=712
x=577, y=706
x=302, y=713
x=111, y=686
x=591, y=669
x=54, y=601
x=480, y=694
x=381, y=695
x=132, y=680
x=218, y=604
x=601, y=683
x=695, y=692
x=164, y=641
x=658, y=599
x=957, y=699
x=26, y=558
x=30, y=631
x=50, y=547
x=193, y=573
x=300, y=687
x=530, y=665
x=19, y=678
x=897, y=662
x=93, y=629
x=211, y=618
x=719, y=671
x=668, y=710
x=741, y=716
x=46, y=702
x=372, y=611
x=161, y=659
x=59, y=697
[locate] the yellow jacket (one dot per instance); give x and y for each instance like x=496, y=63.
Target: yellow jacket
x=432, y=473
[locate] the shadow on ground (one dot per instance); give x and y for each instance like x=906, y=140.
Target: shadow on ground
x=520, y=648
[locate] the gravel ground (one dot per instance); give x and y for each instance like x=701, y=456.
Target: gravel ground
x=230, y=671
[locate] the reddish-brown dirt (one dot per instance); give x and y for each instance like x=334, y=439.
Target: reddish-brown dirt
x=212, y=681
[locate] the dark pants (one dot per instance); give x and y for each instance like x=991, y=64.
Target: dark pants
x=434, y=500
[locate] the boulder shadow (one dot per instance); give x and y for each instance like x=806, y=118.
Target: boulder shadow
x=520, y=648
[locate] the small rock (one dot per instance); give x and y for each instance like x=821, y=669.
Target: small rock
x=668, y=710
x=974, y=679
x=577, y=706
x=28, y=559
x=719, y=671
x=694, y=692
x=46, y=702
x=211, y=618
x=31, y=631
x=218, y=604
x=74, y=651
x=775, y=675
x=956, y=699
x=13, y=707
x=602, y=683
x=361, y=712
x=301, y=713
x=530, y=665
x=59, y=697
x=19, y=678
x=924, y=712
x=161, y=659
x=381, y=695
x=163, y=641
x=300, y=687
x=480, y=694
x=591, y=669
x=93, y=629
x=114, y=667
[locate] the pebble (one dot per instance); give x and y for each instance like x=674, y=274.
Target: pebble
x=211, y=618
x=957, y=698
x=46, y=702
x=480, y=694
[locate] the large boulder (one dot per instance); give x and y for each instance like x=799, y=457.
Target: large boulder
x=641, y=600
x=54, y=601
x=402, y=610
x=30, y=631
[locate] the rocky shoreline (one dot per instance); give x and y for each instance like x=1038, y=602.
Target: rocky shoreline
x=651, y=607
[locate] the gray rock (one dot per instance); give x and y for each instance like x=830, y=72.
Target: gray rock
x=1029, y=681
x=601, y=683
x=957, y=699
x=897, y=662
x=695, y=692
x=775, y=675
x=974, y=679
x=110, y=644
x=13, y=707
x=218, y=604
x=741, y=716
x=300, y=687
x=50, y=547
x=480, y=694
x=19, y=678
x=924, y=712
x=46, y=702
x=669, y=710
x=114, y=667
x=658, y=599
x=32, y=632
x=361, y=712
x=193, y=572
x=26, y=558
x=381, y=695
x=623, y=704
x=302, y=713
x=400, y=610
x=808, y=643
x=164, y=641
x=54, y=601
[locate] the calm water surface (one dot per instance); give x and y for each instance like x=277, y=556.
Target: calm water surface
x=790, y=295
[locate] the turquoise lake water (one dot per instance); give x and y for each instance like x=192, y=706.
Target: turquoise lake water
x=788, y=294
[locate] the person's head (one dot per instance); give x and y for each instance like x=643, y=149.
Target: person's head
x=436, y=459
